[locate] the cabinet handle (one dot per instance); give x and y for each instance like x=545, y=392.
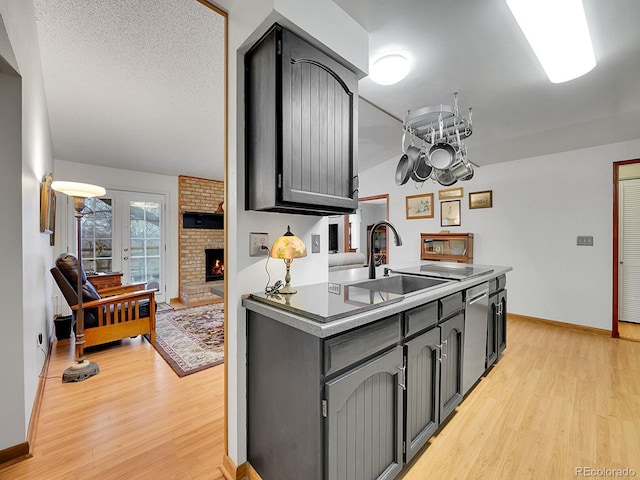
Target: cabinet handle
x=402, y=378
x=444, y=347
x=439, y=347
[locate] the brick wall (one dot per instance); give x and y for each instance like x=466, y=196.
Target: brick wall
x=197, y=195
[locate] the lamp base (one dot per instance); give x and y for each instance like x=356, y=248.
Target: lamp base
x=287, y=289
x=79, y=372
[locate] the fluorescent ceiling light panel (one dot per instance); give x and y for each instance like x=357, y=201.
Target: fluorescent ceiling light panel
x=389, y=69
x=558, y=34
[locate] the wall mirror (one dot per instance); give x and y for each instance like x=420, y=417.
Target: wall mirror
x=350, y=233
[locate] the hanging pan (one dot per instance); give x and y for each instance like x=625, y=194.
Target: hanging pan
x=405, y=165
x=403, y=170
x=441, y=155
x=445, y=177
x=421, y=169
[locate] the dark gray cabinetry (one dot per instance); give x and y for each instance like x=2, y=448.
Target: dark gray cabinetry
x=492, y=330
x=452, y=335
x=324, y=408
x=497, y=321
x=502, y=322
x=364, y=420
x=301, y=128
x=434, y=371
x=423, y=392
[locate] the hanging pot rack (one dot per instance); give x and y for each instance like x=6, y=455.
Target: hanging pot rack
x=444, y=129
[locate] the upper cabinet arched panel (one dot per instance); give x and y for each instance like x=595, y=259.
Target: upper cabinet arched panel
x=301, y=128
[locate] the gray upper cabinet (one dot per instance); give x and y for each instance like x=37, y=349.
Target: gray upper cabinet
x=301, y=128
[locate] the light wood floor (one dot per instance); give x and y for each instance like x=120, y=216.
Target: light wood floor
x=559, y=399
x=136, y=419
x=629, y=331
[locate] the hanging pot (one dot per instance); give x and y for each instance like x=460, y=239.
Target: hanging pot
x=444, y=177
x=462, y=170
x=421, y=169
x=441, y=155
x=403, y=170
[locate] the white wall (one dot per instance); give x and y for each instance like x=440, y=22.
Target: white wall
x=33, y=248
x=540, y=205
x=131, y=181
x=247, y=22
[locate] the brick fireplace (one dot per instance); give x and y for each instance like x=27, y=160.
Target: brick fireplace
x=202, y=196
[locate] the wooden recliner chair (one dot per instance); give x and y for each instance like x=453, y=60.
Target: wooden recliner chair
x=114, y=313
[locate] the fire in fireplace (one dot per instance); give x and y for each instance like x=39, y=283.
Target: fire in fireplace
x=214, y=264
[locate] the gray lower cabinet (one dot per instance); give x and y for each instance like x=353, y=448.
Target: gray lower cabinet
x=434, y=381
x=423, y=392
x=452, y=335
x=497, y=326
x=364, y=420
x=502, y=322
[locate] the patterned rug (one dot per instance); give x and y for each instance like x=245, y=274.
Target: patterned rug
x=191, y=339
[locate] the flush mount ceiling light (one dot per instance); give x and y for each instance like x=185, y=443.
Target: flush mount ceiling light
x=389, y=69
x=558, y=34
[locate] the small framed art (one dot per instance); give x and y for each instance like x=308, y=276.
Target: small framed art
x=450, y=213
x=420, y=206
x=482, y=199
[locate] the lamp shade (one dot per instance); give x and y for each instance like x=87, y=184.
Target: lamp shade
x=76, y=189
x=288, y=246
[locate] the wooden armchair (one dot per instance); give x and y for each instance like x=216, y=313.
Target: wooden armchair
x=113, y=313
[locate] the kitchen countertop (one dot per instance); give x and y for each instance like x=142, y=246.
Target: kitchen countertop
x=319, y=312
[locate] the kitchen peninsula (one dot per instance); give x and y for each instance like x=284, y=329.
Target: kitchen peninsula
x=349, y=379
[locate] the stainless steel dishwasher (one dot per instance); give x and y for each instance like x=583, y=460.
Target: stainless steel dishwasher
x=475, y=334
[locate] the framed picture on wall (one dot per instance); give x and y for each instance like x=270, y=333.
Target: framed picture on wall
x=450, y=213
x=419, y=206
x=482, y=199
x=450, y=193
x=47, y=205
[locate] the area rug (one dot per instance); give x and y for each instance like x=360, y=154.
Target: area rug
x=191, y=339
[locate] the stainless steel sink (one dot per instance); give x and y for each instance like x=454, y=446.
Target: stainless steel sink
x=401, y=284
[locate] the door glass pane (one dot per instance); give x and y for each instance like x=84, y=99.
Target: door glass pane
x=97, y=235
x=145, y=238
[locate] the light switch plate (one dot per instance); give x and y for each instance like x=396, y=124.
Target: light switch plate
x=315, y=243
x=256, y=241
x=585, y=240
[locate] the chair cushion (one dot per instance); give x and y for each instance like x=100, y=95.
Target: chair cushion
x=68, y=265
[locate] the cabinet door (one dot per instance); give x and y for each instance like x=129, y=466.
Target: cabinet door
x=452, y=337
x=364, y=420
x=492, y=331
x=423, y=392
x=502, y=322
x=319, y=138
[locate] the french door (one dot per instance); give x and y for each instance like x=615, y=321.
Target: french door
x=124, y=232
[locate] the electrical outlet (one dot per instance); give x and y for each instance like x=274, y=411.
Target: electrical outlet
x=256, y=242
x=315, y=243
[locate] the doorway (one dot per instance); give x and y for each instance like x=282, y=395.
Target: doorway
x=626, y=250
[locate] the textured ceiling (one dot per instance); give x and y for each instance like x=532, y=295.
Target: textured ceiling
x=139, y=84
x=135, y=84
